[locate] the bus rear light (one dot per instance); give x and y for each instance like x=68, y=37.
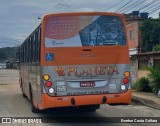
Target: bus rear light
x=123, y=87
x=46, y=77
x=48, y=84
x=51, y=90
x=125, y=80
x=127, y=74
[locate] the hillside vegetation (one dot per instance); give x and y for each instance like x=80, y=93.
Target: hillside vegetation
x=7, y=53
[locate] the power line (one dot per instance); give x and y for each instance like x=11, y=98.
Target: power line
x=70, y=5
x=148, y=8
x=150, y=3
x=124, y=6
x=155, y=10
x=57, y=6
x=114, y=5
x=61, y=5
x=128, y=8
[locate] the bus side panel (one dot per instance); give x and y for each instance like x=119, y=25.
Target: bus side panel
x=35, y=81
x=32, y=79
x=25, y=80
x=39, y=84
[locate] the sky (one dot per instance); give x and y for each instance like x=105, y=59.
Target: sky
x=18, y=18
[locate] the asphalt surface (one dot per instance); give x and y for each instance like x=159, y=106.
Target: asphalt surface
x=12, y=104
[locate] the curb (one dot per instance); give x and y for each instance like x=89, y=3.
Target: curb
x=136, y=100
x=146, y=102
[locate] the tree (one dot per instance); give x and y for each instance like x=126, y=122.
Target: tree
x=154, y=78
x=142, y=85
x=7, y=53
x=150, y=34
x=3, y=55
x=156, y=48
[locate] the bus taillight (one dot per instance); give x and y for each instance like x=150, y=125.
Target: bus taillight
x=46, y=77
x=123, y=87
x=127, y=74
x=125, y=80
x=48, y=84
x=51, y=90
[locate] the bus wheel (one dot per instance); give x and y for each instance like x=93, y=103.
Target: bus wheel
x=23, y=94
x=33, y=108
x=89, y=108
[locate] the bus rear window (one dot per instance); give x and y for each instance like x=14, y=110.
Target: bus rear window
x=72, y=31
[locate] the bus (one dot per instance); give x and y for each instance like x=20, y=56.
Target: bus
x=76, y=59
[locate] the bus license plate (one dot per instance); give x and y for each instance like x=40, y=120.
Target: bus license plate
x=87, y=84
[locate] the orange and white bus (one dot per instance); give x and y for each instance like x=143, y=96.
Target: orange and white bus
x=76, y=59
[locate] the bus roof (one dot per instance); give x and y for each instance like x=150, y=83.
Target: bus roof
x=84, y=13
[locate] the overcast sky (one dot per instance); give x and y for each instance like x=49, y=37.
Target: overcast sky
x=19, y=17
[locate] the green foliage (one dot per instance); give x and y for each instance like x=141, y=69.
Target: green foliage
x=154, y=77
x=7, y=53
x=156, y=48
x=150, y=34
x=142, y=85
x=2, y=55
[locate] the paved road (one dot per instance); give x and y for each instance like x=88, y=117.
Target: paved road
x=12, y=104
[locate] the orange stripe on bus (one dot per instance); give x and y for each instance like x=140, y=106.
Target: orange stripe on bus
x=51, y=102
x=76, y=56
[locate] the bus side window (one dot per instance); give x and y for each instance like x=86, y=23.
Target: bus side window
x=36, y=46
x=24, y=52
x=24, y=58
x=29, y=46
x=39, y=44
x=22, y=55
x=32, y=48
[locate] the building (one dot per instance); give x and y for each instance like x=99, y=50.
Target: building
x=143, y=59
x=134, y=35
x=133, y=25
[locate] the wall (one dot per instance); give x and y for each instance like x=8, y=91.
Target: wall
x=139, y=60
x=134, y=70
x=133, y=26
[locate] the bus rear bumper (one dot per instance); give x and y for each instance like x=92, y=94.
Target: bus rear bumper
x=69, y=101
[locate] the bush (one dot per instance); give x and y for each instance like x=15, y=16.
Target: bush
x=154, y=77
x=142, y=85
x=156, y=48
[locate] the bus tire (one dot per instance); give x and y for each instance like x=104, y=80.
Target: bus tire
x=23, y=94
x=33, y=108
